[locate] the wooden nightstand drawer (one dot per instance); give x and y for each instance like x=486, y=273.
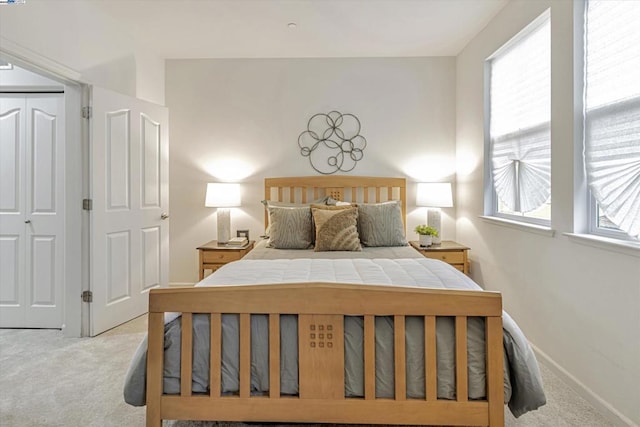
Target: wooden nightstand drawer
x=219, y=257
x=448, y=251
x=448, y=257
x=213, y=256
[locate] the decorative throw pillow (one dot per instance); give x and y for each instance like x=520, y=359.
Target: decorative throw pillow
x=380, y=224
x=336, y=228
x=291, y=227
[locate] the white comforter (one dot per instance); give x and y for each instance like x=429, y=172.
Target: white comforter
x=419, y=272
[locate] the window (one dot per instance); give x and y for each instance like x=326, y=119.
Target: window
x=519, y=131
x=612, y=116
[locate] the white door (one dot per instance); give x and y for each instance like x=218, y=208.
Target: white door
x=32, y=210
x=130, y=192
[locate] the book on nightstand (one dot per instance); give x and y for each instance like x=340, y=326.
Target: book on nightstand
x=237, y=241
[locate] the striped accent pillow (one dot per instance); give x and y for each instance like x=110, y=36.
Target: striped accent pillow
x=291, y=227
x=336, y=228
x=380, y=224
x=269, y=203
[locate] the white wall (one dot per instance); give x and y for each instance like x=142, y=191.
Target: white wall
x=239, y=120
x=580, y=305
x=76, y=34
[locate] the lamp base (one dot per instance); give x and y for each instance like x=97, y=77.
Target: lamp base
x=224, y=225
x=434, y=219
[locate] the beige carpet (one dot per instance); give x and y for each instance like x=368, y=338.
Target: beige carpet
x=48, y=380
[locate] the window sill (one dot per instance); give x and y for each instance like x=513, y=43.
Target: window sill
x=522, y=226
x=622, y=246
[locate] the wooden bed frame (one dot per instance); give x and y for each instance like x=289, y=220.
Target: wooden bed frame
x=321, y=308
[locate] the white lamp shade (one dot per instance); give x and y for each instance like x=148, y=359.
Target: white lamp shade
x=222, y=195
x=434, y=195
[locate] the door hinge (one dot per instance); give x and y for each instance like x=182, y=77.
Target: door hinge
x=87, y=112
x=87, y=204
x=87, y=296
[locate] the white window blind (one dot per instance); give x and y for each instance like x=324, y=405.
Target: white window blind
x=520, y=113
x=612, y=110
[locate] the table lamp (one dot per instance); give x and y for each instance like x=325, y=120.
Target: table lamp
x=434, y=195
x=223, y=196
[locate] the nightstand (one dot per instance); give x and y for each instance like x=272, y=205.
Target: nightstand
x=448, y=251
x=213, y=255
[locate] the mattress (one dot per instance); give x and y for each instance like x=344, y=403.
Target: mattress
x=523, y=386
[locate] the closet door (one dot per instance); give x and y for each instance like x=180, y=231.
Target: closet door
x=12, y=210
x=31, y=210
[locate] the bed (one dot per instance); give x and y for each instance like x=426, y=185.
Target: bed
x=373, y=336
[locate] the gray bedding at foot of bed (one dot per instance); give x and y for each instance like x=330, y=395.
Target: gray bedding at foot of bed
x=523, y=386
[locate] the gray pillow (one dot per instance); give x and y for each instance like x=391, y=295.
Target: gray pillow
x=380, y=224
x=291, y=227
x=268, y=203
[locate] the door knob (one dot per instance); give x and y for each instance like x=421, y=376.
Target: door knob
x=164, y=215
x=28, y=221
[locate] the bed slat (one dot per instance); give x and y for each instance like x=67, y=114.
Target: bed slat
x=215, y=355
x=495, y=373
x=462, y=385
x=155, y=360
x=274, y=356
x=245, y=354
x=399, y=357
x=369, y=357
x=186, y=356
x=430, y=362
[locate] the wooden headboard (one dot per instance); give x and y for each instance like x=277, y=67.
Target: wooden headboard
x=357, y=189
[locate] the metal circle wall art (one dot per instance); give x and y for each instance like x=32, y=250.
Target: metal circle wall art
x=332, y=142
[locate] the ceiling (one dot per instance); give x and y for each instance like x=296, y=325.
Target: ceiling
x=324, y=28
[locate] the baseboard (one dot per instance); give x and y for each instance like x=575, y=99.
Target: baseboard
x=601, y=405
x=181, y=284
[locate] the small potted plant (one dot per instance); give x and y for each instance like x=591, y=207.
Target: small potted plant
x=426, y=234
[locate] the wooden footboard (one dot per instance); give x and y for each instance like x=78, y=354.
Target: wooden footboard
x=321, y=308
